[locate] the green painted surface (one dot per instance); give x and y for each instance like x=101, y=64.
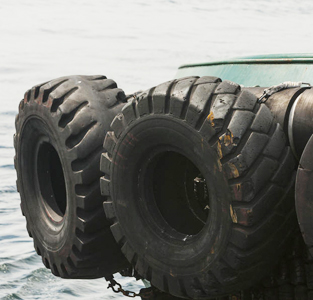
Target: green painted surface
x=262, y=70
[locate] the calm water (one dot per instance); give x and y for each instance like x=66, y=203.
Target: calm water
x=138, y=44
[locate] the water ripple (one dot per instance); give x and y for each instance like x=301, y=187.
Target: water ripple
x=9, y=190
x=7, y=166
x=7, y=113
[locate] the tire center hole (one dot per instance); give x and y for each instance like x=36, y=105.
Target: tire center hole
x=180, y=192
x=51, y=181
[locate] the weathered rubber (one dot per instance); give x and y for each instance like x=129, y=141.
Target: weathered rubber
x=291, y=279
x=303, y=195
x=252, y=156
x=71, y=115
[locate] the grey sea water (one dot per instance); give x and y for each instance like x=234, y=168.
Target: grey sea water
x=138, y=44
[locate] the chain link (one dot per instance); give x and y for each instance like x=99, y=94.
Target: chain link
x=145, y=295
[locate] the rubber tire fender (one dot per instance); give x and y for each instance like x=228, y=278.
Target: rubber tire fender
x=60, y=130
x=189, y=245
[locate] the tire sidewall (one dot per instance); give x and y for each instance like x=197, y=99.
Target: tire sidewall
x=52, y=234
x=163, y=248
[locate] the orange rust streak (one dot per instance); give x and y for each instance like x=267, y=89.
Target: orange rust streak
x=210, y=118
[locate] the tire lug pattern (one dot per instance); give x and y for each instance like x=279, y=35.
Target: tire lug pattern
x=79, y=110
x=251, y=153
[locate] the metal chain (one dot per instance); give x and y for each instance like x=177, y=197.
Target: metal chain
x=146, y=294
x=119, y=289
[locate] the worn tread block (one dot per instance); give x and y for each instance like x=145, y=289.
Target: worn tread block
x=68, y=108
x=129, y=112
x=193, y=289
x=113, y=97
x=90, y=171
x=220, y=109
x=286, y=167
x=222, y=104
x=223, y=273
x=42, y=92
x=128, y=251
x=109, y=142
x=158, y=99
x=91, y=224
x=105, y=186
x=239, y=124
x=89, y=245
x=158, y=277
x=227, y=87
x=252, y=149
x=180, y=94
x=208, y=79
x=82, y=120
x=228, y=143
x=197, y=102
x=81, y=149
x=174, y=286
x=143, y=103
x=249, y=153
x=95, y=77
x=252, y=213
x=117, y=232
x=206, y=130
x=276, y=144
x=263, y=120
x=118, y=124
x=249, y=240
x=255, y=182
x=105, y=163
x=109, y=209
x=141, y=266
x=57, y=100
x=246, y=101
x=100, y=85
x=95, y=195
x=27, y=97
x=233, y=259
x=266, y=168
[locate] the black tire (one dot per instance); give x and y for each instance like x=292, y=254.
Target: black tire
x=161, y=142
x=291, y=279
x=60, y=130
